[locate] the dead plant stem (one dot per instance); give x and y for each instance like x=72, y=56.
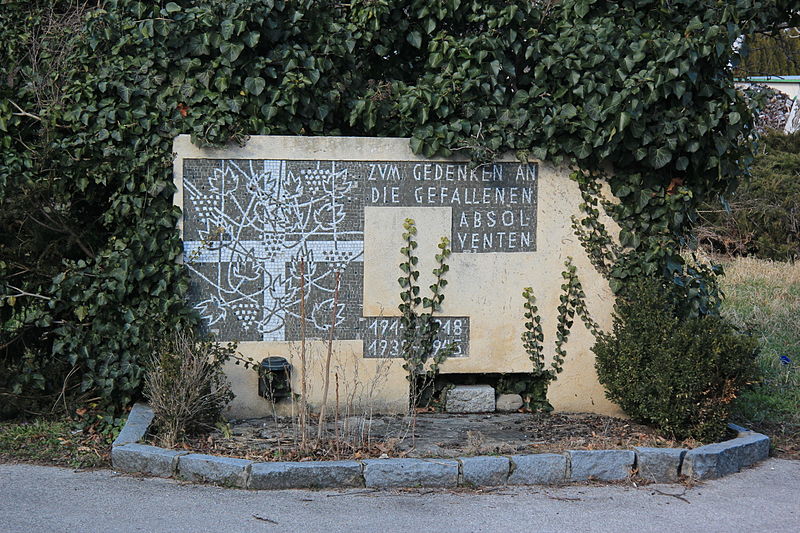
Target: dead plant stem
x=327, y=375
x=336, y=414
x=303, y=376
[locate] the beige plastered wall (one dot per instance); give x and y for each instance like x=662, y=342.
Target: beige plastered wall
x=485, y=287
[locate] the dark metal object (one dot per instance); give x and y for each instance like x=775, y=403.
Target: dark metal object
x=274, y=378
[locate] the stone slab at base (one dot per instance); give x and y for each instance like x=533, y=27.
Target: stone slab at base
x=146, y=459
x=485, y=471
x=602, y=465
x=135, y=428
x=508, y=403
x=724, y=458
x=398, y=473
x=470, y=399
x=660, y=465
x=306, y=475
x=226, y=471
x=538, y=469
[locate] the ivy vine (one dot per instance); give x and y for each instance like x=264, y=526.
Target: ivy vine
x=420, y=350
x=572, y=301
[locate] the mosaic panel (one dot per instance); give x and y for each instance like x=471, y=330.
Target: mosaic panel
x=248, y=223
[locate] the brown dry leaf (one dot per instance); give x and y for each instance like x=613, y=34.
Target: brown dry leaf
x=674, y=184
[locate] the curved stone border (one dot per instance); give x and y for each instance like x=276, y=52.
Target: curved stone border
x=652, y=464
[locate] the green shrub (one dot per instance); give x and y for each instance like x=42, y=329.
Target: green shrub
x=764, y=215
x=678, y=374
x=186, y=387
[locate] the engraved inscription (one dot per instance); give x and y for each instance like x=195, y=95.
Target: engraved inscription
x=383, y=336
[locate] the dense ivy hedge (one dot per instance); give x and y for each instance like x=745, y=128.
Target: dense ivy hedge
x=91, y=98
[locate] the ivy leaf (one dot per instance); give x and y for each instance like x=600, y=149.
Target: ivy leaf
x=430, y=25
x=661, y=158
x=226, y=29
x=231, y=51
x=568, y=111
x=124, y=93
x=255, y=86
x=251, y=38
x=624, y=120
x=415, y=39
x=81, y=312
x=416, y=145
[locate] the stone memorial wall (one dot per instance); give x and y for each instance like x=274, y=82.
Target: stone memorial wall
x=257, y=219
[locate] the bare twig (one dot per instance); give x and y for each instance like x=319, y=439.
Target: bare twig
x=678, y=496
x=22, y=113
x=303, y=376
x=562, y=498
x=67, y=230
x=21, y=292
x=264, y=519
x=63, y=394
x=327, y=376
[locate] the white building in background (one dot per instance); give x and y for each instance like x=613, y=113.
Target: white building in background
x=789, y=85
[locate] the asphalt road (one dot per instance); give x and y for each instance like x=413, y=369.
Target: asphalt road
x=765, y=498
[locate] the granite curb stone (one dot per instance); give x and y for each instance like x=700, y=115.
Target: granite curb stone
x=135, y=428
x=603, y=465
x=538, y=469
x=661, y=465
x=214, y=469
x=658, y=464
x=725, y=458
x=145, y=459
x=397, y=473
x=485, y=471
x=312, y=474
x=751, y=449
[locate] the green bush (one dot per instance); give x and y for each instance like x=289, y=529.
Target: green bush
x=678, y=374
x=764, y=215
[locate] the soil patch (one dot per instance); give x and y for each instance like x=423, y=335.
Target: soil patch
x=429, y=435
